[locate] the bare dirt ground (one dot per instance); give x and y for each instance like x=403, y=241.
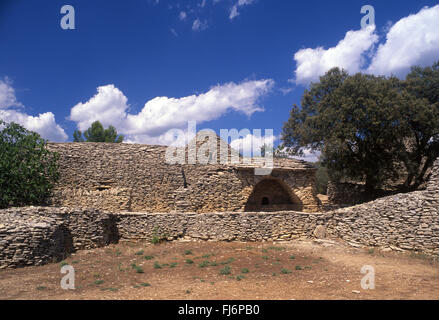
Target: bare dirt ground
x=221, y=270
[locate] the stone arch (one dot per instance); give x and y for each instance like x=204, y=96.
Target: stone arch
x=272, y=194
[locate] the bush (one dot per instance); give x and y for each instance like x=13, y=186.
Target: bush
x=28, y=171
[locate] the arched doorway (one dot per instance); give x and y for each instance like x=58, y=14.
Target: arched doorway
x=272, y=195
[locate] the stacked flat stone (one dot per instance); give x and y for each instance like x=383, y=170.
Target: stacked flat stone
x=38, y=235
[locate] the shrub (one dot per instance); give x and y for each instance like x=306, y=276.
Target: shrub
x=28, y=171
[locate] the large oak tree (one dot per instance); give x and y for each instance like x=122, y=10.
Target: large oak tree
x=369, y=128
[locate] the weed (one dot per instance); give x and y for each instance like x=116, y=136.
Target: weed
x=298, y=268
x=41, y=288
x=245, y=270
x=173, y=265
x=63, y=263
x=98, y=282
x=157, y=265
x=285, y=271
x=226, y=270
x=158, y=237
x=230, y=260
x=204, y=264
x=187, y=252
x=292, y=257
x=148, y=257
x=137, y=268
x=189, y=261
x=276, y=248
x=145, y=284
x=240, y=277
x=139, y=253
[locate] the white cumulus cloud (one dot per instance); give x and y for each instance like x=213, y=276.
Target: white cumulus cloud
x=110, y=107
x=413, y=40
x=7, y=95
x=44, y=123
x=347, y=54
x=250, y=145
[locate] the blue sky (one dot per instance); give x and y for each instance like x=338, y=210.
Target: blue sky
x=225, y=63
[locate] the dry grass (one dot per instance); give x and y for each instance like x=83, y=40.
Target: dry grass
x=220, y=270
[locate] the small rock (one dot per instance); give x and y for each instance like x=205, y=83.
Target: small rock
x=356, y=291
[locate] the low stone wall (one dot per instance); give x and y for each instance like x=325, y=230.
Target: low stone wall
x=224, y=226
x=38, y=235
x=346, y=194
x=406, y=221
x=30, y=240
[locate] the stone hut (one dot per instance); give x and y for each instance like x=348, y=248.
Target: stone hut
x=121, y=177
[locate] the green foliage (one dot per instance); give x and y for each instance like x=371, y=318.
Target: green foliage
x=97, y=133
x=369, y=128
x=28, y=171
x=137, y=268
x=226, y=270
x=204, y=264
x=322, y=177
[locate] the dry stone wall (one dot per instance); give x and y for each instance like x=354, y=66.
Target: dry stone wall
x=136, y=178
x=405, y=221
x=38, y=235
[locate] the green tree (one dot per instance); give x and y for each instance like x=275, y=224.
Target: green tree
x=322, y=177
x=97, y=133
x=367, y=127
x=28, y=171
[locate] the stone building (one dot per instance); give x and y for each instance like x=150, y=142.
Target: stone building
x=121, y=177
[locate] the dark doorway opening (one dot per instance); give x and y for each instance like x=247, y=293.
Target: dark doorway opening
x=272, y=195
